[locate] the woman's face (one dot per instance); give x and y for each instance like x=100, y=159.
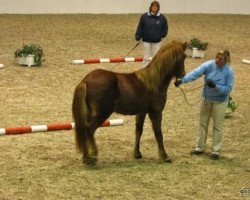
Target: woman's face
x=154, y=9
x=220, y=60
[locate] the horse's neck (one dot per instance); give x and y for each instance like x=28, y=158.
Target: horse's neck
x=154, y=78
x=165, y=83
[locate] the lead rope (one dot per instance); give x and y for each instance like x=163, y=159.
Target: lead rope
x=137, y=44
x=189, y=91
x=195, y=89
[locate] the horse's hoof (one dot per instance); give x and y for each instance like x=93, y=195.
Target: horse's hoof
x=89, y=161
x=167, y=160
x=138, y=155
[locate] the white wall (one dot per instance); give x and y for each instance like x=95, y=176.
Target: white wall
x=123, y=6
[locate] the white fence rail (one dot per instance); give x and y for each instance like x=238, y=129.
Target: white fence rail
x=122, y=6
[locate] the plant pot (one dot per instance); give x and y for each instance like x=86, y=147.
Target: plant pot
x=195, y=53
x=27, y=60
x=198, y=53
x=189, y=52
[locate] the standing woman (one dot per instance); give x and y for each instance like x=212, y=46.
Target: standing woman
x=151, y=29
x=219, y=79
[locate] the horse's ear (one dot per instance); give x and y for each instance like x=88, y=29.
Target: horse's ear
x=184, y=46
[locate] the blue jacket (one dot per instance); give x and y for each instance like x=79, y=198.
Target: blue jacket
x=223, y=78
x=152, y=28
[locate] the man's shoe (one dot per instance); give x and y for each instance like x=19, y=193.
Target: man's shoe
x=215, y=156
x=195, y=152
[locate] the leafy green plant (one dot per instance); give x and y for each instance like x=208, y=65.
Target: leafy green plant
x=31, y=49
x=197, y=43
x=231, y=104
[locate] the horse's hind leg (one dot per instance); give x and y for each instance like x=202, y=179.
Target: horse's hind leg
x=90, y=149
x=138, y=132
x=85, y=151
x=156, y=119
x=93, y=147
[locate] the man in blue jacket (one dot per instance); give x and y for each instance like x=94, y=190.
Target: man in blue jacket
x=151, y=29
x=219, y=79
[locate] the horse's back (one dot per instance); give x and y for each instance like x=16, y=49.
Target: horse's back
x=100, y=80
x=115, y=92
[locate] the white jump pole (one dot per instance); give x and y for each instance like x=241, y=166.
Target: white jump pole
x=245, y=61
x=108, y=60
x=52, y=127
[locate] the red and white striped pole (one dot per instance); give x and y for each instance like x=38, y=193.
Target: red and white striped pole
x=52, y=127
x=108, y=60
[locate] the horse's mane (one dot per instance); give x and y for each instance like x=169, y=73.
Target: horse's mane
x=161, y=65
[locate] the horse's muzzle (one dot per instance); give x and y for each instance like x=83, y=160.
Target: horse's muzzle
x=182, y=75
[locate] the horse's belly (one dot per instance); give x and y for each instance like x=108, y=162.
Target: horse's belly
x=129, y=109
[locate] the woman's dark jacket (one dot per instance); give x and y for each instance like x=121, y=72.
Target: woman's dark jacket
x=152, y=28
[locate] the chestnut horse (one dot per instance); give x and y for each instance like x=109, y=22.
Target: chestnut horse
x=102, y=92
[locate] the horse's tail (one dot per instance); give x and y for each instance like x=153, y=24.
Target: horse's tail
x=80, y=115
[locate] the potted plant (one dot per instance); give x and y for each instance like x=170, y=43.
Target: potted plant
x=30, y=54
x=231, y=106
x=197, y=48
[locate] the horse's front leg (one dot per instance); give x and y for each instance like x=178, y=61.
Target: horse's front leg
x=138, y=132
x=156, y=119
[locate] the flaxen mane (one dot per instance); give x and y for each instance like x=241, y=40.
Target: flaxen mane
x=162, y=63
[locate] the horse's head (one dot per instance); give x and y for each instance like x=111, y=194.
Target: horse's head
x=179, y=69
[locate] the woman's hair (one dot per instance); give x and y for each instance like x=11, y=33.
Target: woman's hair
x=226, y=55
x=154, y=3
